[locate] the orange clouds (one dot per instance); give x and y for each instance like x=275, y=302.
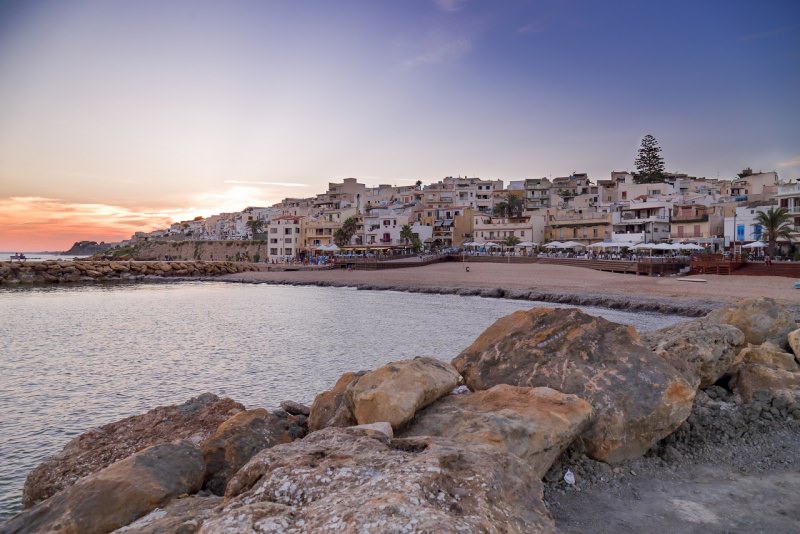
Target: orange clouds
x=39, y=224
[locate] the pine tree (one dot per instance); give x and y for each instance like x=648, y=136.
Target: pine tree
x=649, y=163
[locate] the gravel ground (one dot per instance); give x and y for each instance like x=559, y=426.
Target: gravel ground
x=728, y=468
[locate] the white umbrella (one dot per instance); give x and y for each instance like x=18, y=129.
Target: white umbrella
x=492, y=245
x=643, y=246
x=572, y=244
x=600, y=244
x=526, y=244
x=755, y=244
x=663, y=246
x=554, y=244
x=688, y=246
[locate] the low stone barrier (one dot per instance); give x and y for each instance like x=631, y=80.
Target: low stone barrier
x=53, y=272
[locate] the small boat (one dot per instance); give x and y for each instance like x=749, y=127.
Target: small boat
x=18, y=257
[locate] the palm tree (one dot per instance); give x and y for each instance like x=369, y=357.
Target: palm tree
x=501, y=208
x=255, y=226
x=777, y=224
x=511, y=241
x=515, y=205
x=406, y=233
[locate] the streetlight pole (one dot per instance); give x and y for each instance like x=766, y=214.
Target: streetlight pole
x=733, y=243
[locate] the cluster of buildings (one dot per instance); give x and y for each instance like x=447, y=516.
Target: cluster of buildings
x=710, y=212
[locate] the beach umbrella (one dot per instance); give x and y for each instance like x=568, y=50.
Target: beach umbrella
x=554, y=244
x=643, y=246
x=572, y=244
x=526, y=244
x=599, y=244
x=663, y=246
x=755, y=244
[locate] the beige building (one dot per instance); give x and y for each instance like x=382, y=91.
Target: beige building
x=583, y=226
x=284, y=235
x=696, y=223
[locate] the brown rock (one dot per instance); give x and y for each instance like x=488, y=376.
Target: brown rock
x=794, y=342
x=752, y=378
x=330, y=407
x=760, y=320
x=183, y=515
x=702, y=350
x=393, y=393
x=535, y=424
x=769, y=355
x=350, y=480
x=637, y=397
x=91, y=451
x=295, y=408
x=238, y=439
x=118, y=494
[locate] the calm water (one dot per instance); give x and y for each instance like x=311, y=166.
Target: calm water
x=74, y=358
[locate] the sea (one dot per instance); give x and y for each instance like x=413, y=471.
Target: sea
x=78, y=357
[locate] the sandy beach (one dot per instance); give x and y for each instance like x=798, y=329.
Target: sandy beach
x=553, y=283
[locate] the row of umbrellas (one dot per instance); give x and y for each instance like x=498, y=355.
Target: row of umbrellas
x=489, y=244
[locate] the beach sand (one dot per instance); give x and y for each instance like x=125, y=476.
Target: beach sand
x=553, y=280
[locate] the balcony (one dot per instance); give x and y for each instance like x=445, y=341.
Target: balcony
x=689, y=218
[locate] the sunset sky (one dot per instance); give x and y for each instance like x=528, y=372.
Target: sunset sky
x=118, y=116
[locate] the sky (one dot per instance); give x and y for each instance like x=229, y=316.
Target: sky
x=118, y=116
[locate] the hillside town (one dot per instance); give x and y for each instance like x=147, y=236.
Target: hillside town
x=481, y=214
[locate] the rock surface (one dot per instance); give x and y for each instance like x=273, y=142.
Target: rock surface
x=637, y=397
x=393, y=393
x=238, y=439
x=535, y=424
x=701, y=350
x=295, y=408
x=760, y=320
x=751, y=379
x=351, y=480
x=183, y=515
x=794, y=342
x=118, y=494
x=330, y=408
x=90, y=452
x=770, y=355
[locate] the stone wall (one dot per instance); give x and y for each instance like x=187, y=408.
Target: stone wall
x=101, y=271
x=202, y=250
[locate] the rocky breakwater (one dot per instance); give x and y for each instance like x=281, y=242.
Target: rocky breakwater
x=409, y=448
x=50, y=272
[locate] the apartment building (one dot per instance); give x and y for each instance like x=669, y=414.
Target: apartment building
x=284, y=237
x=642, y=221
x=584, y=226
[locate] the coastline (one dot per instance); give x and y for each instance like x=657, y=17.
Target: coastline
x=549, y=283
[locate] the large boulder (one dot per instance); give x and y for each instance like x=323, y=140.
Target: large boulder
x=794, y=342
x=637, y=397
x=355, y=480
x=239, y=438
x=535, y=424
x=90, y=452
x=119, y=494
x=760, y=319
x=769, y=355
x=393, y=393
x=753, y=380
x=330, y=408
x=701, y=350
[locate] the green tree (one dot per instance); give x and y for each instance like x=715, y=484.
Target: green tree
x=515, y=205
x=511, y=241
x=416, y=244
x=343, y=235
x=255, y=226
x=776, y=224
x=419, y=184
x=406, y=233
x=649, y=163
x=500, y=208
